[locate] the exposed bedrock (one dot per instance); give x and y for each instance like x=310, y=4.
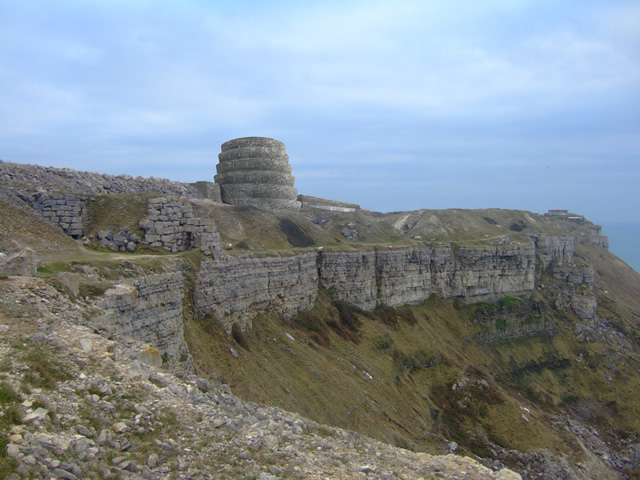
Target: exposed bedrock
x=554, y=248
x=397, y=277
x=236, y=289
x=148, y=309
x=256, y=171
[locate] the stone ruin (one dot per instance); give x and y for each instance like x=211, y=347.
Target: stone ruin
x=255, y=171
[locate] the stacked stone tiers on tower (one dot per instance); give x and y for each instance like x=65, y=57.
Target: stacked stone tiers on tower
x=256, y=171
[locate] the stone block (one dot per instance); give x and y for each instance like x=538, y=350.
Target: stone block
x=70, y=280
x=24, y=263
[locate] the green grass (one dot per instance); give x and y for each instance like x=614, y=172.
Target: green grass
x=44, y=371
x=10, y=415
x=118, y=210
x=8, y=395
x=508, y=301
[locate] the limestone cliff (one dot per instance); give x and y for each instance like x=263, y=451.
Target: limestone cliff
x=399, y=276
x=148, y=309
x=239, y=288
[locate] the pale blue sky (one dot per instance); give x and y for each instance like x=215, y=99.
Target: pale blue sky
x=394, y=105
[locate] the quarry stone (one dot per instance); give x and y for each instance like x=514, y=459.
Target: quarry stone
x=23, y=263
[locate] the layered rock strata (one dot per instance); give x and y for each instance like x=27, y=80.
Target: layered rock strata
x=148, y=309
x=172, y=225
x=578, y=295
x=256, y=171
x=401, y=276
x=554, y=248
x=236, y=289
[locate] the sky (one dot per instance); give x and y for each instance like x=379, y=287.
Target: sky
x=394, y=105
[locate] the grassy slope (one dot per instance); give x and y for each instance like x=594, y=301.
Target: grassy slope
x=20, y=228
x=416, y=409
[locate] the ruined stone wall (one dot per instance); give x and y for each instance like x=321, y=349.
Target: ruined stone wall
x=256, y=171
x=309, y=201
x=68, y=211
x=172, y=225
x=209, y=190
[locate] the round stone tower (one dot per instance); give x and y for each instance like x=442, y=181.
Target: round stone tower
x=256, y=171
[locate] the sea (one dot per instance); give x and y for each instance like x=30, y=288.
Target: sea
x=624, y=242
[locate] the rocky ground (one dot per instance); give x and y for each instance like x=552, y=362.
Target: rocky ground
x=79, y=403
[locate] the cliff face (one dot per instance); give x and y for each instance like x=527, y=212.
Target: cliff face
x=397, y=277
x=554, y=248
x=148, y=309
x=236, y=289
x=239, y=288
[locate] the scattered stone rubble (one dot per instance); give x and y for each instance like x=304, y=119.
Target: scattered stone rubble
x=350, y=231
x=121, y=239
x=112, y=416
x=22, y=263
x=88, y=183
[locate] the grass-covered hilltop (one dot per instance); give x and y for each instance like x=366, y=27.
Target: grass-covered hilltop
x=148, y=331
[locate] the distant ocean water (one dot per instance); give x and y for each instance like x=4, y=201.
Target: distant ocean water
x=624, y=242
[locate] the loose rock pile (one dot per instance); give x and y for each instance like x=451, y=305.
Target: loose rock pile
x=88, y=183
x=118, y=240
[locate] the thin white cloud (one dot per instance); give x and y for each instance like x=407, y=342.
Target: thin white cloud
x=414, y=92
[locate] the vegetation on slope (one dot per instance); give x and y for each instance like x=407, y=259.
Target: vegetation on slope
x=424, y=375
x=419, y=376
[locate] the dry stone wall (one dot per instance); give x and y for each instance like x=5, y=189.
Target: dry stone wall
x=32, y=177
x=172, y=225
x=68, y=211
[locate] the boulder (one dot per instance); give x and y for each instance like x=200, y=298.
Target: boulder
x=23, y=263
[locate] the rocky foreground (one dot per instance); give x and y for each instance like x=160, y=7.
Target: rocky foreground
x=79, y=403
